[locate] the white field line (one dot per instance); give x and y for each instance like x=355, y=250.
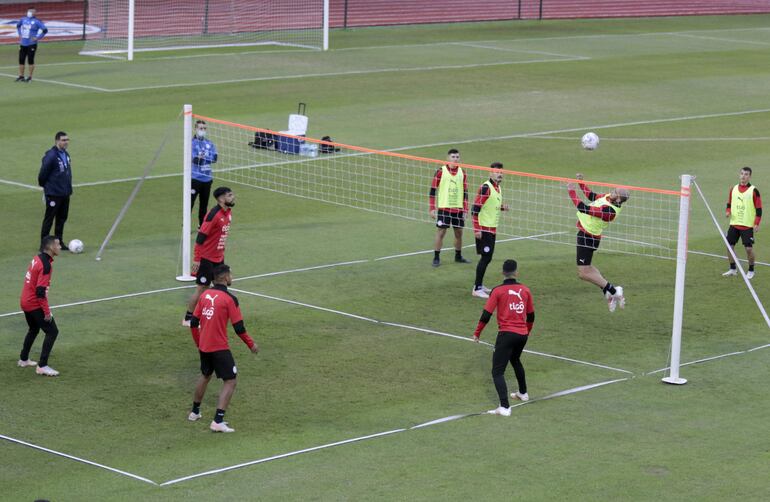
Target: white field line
x=578, y=389
x=405, y=46
x=305, y=269
x=415, y=328
x=381, y=434
x=106, y=299
x=725, y=257
x=507, y=49
x=658, y=140
x=705, y=359
x=535, y=237
x=283, y=455
x=759, y=348
x=78, y=459
x=267, y=274
x=584, y=128
x=57, y=82
x=577, y=361
x=721, y=39
x=340, y=74
x=24, y=185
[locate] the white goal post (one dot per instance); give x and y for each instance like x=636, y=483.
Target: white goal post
x=654, y=225
x=129, y=26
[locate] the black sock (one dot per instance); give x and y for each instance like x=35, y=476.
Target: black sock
x=458, y=253
x=751, y=268
x=609, y=287
x=219, y=416
x=188, y=316
x=435, y=254
x=196, y=408
x=732, y=266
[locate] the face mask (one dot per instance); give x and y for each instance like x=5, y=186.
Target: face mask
x=30, y=13
x=200, y=133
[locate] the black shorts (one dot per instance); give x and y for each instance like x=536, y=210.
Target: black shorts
x=746, y=236
x=206, y=271
x=445, y=219
x=27, y=53
x=486, y=245
x=220, y=362
x=586, y=245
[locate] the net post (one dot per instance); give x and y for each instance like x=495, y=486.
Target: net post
x=186, y=194
x=131, y=17
x=326, y=26
x=681, y=264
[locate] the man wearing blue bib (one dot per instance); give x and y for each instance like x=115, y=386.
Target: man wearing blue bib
x=204, y=153
x=30, y=30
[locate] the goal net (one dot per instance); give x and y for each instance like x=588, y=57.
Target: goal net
x=653, y=222
x=128, y=26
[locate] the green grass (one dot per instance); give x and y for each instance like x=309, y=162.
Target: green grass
x=128, y=368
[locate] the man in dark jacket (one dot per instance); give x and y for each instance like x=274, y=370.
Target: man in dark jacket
x=56, y=179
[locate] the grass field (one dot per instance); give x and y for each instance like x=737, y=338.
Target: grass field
x=355, y=348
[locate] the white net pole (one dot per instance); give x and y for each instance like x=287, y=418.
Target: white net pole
x=681, y=265
x=186, y=195
x=326, y=26
x=131, y=30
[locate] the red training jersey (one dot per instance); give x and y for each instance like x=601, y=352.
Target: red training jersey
x=215, y=307
x=212, y=235
x=757, y=204
x=434, y=189
x=515, y=310
x=37, y=280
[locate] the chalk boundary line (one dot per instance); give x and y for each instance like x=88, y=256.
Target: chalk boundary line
x=371, y=436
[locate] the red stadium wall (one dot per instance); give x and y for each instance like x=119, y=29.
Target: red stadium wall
x=352, y=13
x=388, y=12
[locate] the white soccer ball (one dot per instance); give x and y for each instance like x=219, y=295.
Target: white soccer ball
x=590, y=141
x=76, y=246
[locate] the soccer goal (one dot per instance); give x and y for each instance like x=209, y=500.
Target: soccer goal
x=654, y=225
x=129, y=26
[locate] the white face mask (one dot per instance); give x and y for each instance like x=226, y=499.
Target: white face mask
x=201, y=133
x=30, y=13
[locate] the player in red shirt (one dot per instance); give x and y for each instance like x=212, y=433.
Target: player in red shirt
x=515, y=317
x=34, y=303
x=209, y=331
x=209, y=250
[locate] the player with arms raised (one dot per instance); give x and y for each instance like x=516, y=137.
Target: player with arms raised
x=593, y=218
x=209, y=250
x=209, y=331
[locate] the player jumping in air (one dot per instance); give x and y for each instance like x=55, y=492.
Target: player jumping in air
x=593, y=218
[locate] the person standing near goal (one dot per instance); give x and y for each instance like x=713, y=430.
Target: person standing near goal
x=204, y=153
x=744, y=208
x=593, y=218
x=31, y=30
x=34, y=303
x=209, y=331
x=515, y=318
x=209, y=250
x=486, y=216
x=450, y=187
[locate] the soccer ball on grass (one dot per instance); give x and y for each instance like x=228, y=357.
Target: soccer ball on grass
x=590, y=141
x=76, y=246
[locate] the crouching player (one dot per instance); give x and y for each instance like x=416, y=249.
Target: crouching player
x=209, y=331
